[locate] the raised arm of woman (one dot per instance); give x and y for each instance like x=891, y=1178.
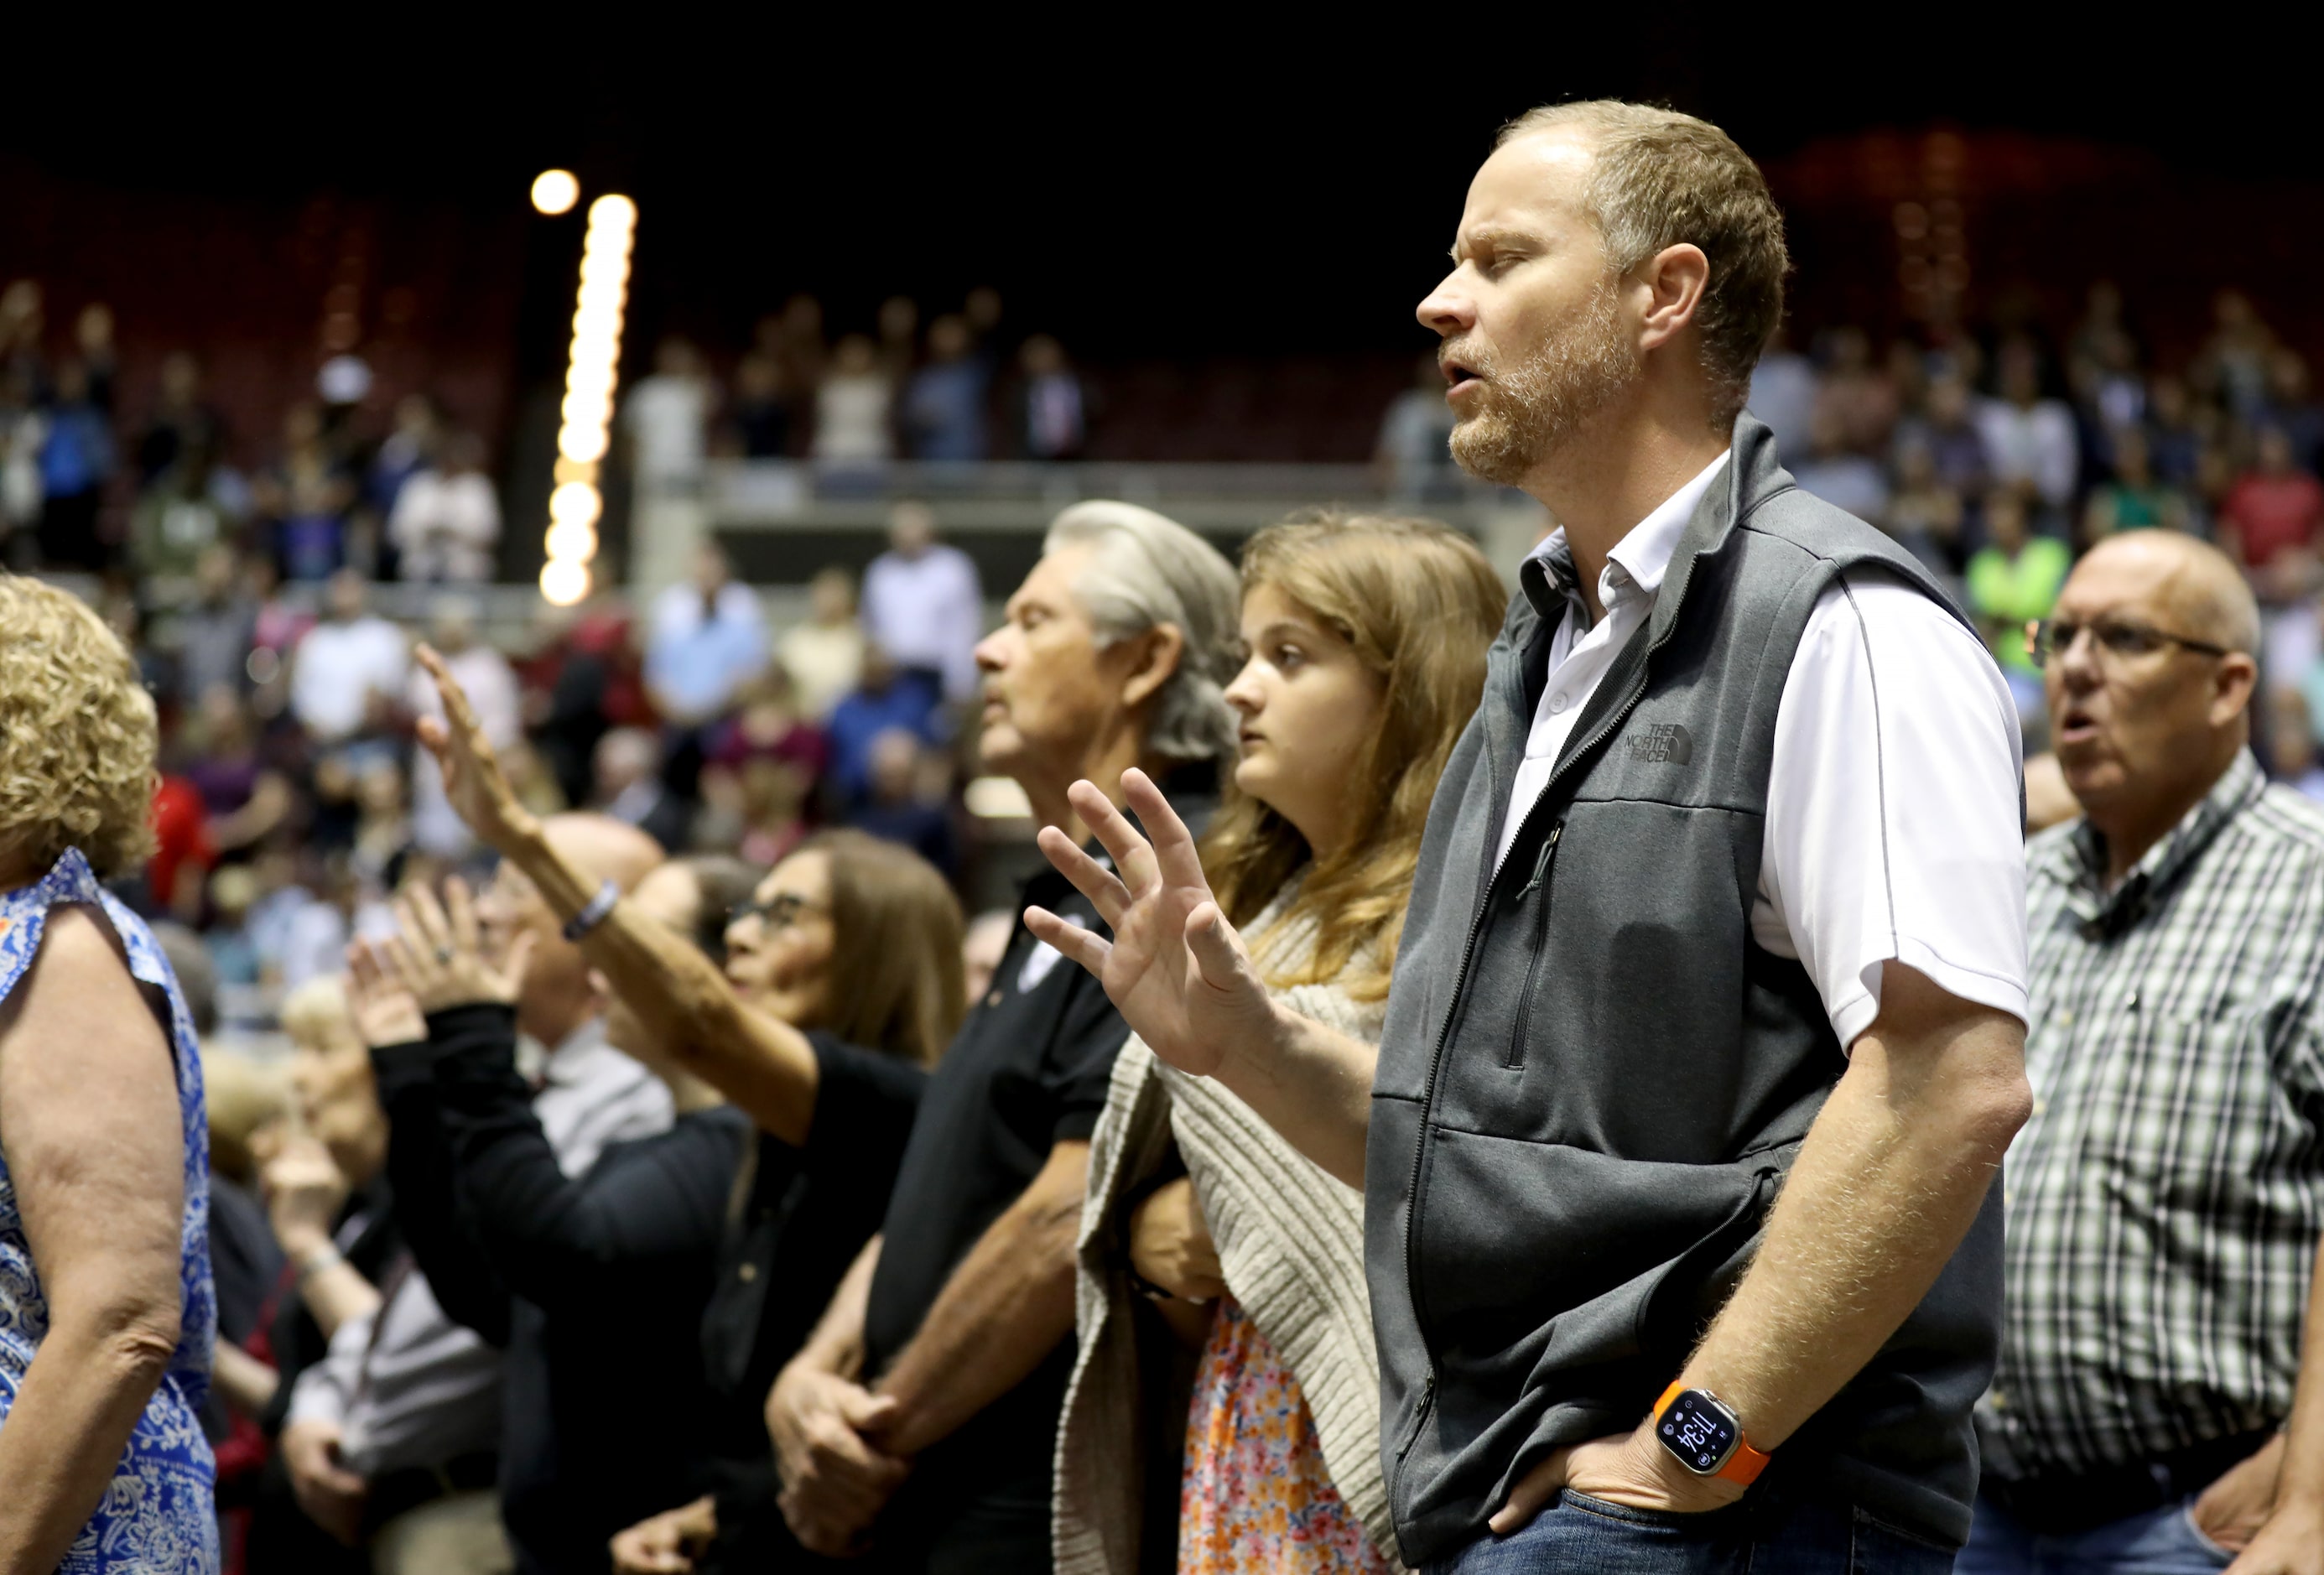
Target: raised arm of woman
x=95, y=1149
x=763, y=1064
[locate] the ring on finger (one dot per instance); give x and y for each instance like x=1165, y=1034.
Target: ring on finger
x=444, y=954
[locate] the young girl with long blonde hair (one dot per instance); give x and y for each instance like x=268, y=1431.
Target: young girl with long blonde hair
x=1365, y=642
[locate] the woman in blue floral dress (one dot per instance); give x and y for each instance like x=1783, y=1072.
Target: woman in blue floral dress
x=107, y=1315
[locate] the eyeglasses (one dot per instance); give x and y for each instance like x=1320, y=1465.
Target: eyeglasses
x=780, y=911
x=2118, y=640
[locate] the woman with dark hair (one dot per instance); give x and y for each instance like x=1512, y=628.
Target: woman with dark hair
x=106, y=1308
x=1364, y=642
x=841, y=985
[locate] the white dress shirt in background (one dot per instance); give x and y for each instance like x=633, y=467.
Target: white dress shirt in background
x=667, y=416
x=338, y=667
x=2036, y=445
x=445, y=527
x=928, y=612
x=851, y=419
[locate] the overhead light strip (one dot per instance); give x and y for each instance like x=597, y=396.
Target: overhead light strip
x=592, y=374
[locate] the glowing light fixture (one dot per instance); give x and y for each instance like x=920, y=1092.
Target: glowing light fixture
x=570, y=540
x=575, y=504
x=555, y=191
x=564, y=582
x=591, y=377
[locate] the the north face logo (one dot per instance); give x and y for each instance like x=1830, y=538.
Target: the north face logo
x=1661, y=743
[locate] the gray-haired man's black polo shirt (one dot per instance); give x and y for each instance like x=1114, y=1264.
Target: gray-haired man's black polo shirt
x=1027, y=1071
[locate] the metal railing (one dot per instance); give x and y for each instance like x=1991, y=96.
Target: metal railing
x=762, y=494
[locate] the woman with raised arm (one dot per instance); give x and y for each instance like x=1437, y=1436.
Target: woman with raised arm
x=757, y=1058
x=106, y=1309
x=1365, y=652
x=841, y=984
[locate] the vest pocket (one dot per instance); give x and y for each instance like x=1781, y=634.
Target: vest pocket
x=1397, y=1503
x=1538, y=889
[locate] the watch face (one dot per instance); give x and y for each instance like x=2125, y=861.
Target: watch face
x=1698, y=1430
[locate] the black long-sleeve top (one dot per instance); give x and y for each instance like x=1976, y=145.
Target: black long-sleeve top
x=604, y=1278
x=430, y=1216
x=648, y=1305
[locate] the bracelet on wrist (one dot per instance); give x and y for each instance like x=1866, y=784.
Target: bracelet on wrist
x=315, y=1259
x=593, y=913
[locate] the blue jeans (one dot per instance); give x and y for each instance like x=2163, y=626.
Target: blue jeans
x=2162, y=1541
x=1587, y=1536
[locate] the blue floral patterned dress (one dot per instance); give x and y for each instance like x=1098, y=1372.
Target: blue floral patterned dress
x=158, y=1517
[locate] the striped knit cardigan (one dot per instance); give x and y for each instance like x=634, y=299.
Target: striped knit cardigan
x=1291, y=1242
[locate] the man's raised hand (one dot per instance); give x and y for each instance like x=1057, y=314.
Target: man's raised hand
x=1174, y=969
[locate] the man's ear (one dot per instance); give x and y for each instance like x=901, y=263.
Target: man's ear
x=1154, y=657
x=2232, y=688
x=1672, y=282
x=600, y=986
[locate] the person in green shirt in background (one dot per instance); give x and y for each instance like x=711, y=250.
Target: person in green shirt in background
x=2013, y=580
x=2134, y=499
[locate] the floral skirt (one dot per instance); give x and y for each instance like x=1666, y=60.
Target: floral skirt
x=1256, y=1495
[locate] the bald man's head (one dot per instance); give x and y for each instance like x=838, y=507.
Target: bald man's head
x=2200, y=583
x=603, y=848
x=556, y=997
x=2150, y=681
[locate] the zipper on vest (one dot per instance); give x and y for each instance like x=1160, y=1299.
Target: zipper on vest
x=1411, y=1437
x=1412, y=1195
x=1541, y=866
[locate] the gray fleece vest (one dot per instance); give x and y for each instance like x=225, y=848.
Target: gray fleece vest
x=1591, y=1080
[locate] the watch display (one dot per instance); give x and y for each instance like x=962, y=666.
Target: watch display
x=1700, y=1431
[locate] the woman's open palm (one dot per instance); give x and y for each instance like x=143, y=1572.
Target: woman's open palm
x=443, y=957
x=1174, y=969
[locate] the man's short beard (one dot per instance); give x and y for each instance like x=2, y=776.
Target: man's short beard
x=1530, y=411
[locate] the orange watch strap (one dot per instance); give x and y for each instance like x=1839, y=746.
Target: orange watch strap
x=1743, y=1467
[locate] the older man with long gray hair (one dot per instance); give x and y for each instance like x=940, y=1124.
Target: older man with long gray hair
x=937, y=1375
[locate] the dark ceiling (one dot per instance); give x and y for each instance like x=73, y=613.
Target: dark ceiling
x=1142, y=188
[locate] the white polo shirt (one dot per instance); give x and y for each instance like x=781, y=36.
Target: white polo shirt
x=1894, y=829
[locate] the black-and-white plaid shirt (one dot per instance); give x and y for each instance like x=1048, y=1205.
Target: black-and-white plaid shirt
x=2165, y=1198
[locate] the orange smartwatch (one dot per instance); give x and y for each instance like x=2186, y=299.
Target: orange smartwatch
x=1705, y=1436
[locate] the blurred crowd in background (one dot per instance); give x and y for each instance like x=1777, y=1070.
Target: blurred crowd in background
x=957, y=389
x=1998, y=460
x=293, y=800
x=241, y=566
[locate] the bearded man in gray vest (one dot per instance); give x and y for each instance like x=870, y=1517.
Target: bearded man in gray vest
x=1706, y=1033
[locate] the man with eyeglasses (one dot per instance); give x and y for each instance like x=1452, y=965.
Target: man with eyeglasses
x=2165, y=1200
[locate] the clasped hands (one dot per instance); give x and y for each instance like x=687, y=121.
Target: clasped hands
x=1170, y=1244
x=835, y=1477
